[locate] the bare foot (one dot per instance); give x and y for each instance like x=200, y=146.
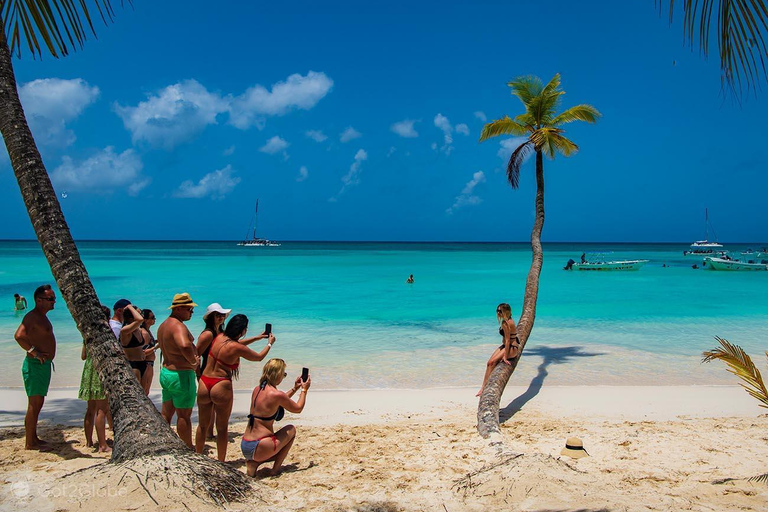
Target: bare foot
x=40, y=441
x=89, y=444
x=38, y=447
x=479, y=393
x=105, y=449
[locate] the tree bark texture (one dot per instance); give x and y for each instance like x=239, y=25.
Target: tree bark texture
x=138, y=427
x=488, y=408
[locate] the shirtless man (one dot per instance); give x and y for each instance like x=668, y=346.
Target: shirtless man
x=35, y=336
x=180, y=360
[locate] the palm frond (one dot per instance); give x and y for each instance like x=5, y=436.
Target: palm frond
x=503, y=126
x=563, y=145
x=740, y=25
x=741, y=365
x=526, y=88
x=543, y=106
x=760, y=478
x=59, y=25
x=586, y=113
x=516, y=162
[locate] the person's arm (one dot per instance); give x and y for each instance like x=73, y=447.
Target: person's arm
x=137, y=321
x=83, y=354
x=186, y=347
x=247, y=341
x=25, y=302
x=22, y=338
x=252, y=355
x=297, y=406
x=204, y=341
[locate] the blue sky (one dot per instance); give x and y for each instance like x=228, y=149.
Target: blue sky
x=360, y=121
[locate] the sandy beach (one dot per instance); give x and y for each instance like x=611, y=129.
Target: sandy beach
x=651, y=448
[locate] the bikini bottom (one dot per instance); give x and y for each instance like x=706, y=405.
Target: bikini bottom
x=139, y=365
x=248, y=447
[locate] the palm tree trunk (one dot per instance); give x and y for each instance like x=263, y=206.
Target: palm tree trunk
x=139, y=429
x=488, y=408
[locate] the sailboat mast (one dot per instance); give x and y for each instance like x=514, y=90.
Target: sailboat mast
x=706, y=224
x=256, y=219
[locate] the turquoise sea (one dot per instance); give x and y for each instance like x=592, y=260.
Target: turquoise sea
x=345, y=311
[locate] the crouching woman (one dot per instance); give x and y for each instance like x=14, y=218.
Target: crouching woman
x=260, y=442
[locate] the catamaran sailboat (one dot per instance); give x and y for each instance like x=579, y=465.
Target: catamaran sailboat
x=705, y=247
x=255, y=241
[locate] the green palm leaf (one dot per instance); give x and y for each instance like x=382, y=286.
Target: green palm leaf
x=586, y=113
x=741, y=365
x=43, y=21
x=504, y=126
x=526, y=88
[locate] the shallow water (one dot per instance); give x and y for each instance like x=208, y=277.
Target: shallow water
x=344, y=309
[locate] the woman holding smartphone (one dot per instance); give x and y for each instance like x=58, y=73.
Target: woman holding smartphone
x=214, y=391
x=260, y=442
x=510, y=347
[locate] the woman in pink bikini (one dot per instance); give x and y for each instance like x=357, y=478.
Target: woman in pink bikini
x=214, y=391
x=260, y=442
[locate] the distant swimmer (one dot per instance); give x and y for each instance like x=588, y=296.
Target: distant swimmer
x=410, y=279
x=20, y=303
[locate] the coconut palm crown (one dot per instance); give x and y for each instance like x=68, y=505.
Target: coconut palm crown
x=540, y=123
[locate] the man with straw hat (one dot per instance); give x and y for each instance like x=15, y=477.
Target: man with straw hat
x=180, y=360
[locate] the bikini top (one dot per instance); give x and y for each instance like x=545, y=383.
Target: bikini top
x=501, y=331
x=151, y=343
x=136, y=341
x=231, y=367
x=277, y=416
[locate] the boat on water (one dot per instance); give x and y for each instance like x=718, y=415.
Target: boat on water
x=599, y=263
x=705, y=247
x=726, y=264
x=255, y=241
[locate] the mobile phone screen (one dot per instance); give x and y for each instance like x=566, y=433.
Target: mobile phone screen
x=304, y=374
x=268, y=329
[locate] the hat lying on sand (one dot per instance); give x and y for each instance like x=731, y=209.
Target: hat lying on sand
x=216, y=308
x=182, y=299
x=574, y=448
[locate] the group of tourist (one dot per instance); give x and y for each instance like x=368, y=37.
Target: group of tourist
x=192, y=371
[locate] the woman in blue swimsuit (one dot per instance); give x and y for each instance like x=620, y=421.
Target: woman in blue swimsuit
x=510, y=347
x=260, y=442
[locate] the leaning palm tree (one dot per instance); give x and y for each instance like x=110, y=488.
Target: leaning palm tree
x=540, y=125
x=141, y=434
x=739, y=31
x=741, y=365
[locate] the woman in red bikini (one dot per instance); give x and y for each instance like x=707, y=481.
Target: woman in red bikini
x=260, y=442
x=214, y=391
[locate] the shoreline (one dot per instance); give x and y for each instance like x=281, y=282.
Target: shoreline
x=365, y=407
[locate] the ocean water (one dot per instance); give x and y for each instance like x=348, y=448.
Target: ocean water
x=345, y=311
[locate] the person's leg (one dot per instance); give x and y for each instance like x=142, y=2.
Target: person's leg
x=223, y=411
x=267, y=451
x=251, y=467
x=211, y=424
x=146, y=380
x=204, y=411
x=497, y=356
x=102, y=406
x=167, y=409
x=90, y=412
x=34, y=407
x=184, y=425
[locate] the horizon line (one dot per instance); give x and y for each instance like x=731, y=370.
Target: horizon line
x=526, y=242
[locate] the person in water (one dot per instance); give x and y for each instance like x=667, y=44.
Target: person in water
x=214, y=391
x=410, y=279
x=19, y=302
x=260, y=442
x=510, y=347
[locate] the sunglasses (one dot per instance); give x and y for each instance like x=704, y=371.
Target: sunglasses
x=49, y=299
x=285, y=374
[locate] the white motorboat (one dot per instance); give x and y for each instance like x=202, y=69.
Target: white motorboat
x=705, y=247
x=255, y=241
x=597, y=261
x=723, y=264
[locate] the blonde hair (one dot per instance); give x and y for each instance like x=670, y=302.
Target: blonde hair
x=272, y=373
x=504, y=310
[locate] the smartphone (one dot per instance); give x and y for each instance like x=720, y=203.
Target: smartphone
x=304, y=374
x=268, y=329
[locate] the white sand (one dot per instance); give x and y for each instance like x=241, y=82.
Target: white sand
x=652, y=448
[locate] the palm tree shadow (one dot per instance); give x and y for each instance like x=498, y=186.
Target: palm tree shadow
x=550, y=355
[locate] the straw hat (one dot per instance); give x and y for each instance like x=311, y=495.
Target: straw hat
x=574, y=448
x=182, y=299
x=216, y=308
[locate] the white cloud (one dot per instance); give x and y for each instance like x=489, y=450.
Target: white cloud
x=274, y=145
x=230, y=150
x=508, y=146
x=216, y=185
x=303, y=174
x=50, y=103
x=174, y=115
x=391, y=151
x=105, y=172
x=444, y=124
x=296, y=92
x=462, y=129
x=467, y=196
x=316, y=135
x=481, y=115
x=349, y=134
x=405, y=128
x=352, y=177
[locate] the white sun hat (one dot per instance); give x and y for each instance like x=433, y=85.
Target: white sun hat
x=216, y=308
